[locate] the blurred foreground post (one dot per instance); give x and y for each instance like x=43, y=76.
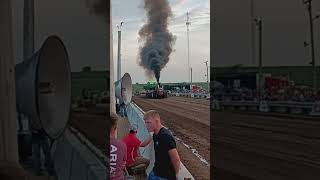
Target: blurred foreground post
x=9, y=160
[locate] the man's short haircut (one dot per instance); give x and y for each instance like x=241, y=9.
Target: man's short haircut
x=151, y=114
x=114, y=121
x=132, y=132
x=133, y=128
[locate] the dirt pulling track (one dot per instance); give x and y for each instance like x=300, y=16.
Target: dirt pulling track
x=264, y=147
x=189, y=120
x=93, y=124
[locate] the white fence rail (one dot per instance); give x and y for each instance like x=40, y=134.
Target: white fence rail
x=192, y=95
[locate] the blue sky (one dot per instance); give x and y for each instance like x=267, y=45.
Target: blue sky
x=131, y=12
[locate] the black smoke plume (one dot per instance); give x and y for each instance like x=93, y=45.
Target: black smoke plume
x=158, y=41
x=100, y=8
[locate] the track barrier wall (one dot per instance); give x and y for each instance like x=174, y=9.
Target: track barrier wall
x=75, y=157
x=135, y=116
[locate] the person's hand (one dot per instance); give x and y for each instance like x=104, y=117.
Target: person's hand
x=180, y=176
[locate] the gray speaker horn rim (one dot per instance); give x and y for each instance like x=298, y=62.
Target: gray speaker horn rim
x=68, y=66
x=118, y=88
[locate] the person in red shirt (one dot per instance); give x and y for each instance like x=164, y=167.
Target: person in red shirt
x=133, y=143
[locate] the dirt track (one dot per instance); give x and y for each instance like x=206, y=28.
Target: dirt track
x=189, y=120
x=94, y=125
x=262, y=147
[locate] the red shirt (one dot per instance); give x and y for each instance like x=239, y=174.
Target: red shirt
x=133, y=144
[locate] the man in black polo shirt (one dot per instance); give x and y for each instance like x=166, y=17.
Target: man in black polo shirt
x=167, y=160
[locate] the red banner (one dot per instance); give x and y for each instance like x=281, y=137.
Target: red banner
x=272, y=83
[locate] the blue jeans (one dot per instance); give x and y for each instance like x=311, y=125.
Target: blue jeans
x=38, y=144
x=152, y=176
x=123, y=110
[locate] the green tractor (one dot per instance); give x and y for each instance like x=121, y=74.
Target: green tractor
x=153, y=90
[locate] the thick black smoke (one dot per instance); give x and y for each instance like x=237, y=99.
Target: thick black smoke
x=158, y=41
x=100, y=8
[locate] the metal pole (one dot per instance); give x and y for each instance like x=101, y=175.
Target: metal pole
x=28, y=29
x=111, y=68
x=188, y=24
x=207, y=74
x=119, y=56
x=259, y=24
x=260, y=59
x=314, y=70
x=191, y=80
x=28, y=50
x=119, y=52
x=253, y=42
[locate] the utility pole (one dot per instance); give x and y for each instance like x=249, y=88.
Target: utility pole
x=313, y=63
x=24, y=132
x=259, y=24
x=188, y=24
x=253, y=34
x=28, y=29
x=206, y=62
x=119, y=51
x=111, y=68
x=191, y=80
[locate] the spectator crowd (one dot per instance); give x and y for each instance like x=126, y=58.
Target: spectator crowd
x=287, y=93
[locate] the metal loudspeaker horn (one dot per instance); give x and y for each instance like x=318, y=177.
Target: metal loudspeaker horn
x=43, y=88
x=123, y=89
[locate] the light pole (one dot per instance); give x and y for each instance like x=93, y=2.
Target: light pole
x=258, y=22
x=189, y=77
x=191, y=80
x=206, y=62
x=28, y=26
x=119, y=61
x=119, y=51
x=24, y=132
x=111, y=67
x=313, y=63
x=253, y=42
